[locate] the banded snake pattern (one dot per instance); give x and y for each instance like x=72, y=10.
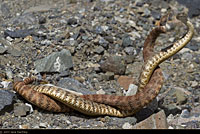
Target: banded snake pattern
x=151, y=80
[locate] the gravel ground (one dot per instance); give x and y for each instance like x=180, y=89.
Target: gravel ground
x=89, y=46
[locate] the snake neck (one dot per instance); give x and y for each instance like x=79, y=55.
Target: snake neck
x=154, y=61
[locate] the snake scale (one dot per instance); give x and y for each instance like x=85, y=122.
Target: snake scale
x=151, y=80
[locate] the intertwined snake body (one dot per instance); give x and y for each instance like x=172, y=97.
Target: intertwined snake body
x=151, y=80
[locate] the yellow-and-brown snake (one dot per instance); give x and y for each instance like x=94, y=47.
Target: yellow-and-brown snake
x=150, y=83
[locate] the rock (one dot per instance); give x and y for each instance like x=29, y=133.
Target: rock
x=193, y=45
x=14, y=51
x=193, y=124
x=181, y=99
x=21, y=109
x=46, y=42
x=185, y=113
x=9, y=74
x=147, y=12
x=187, y=119
x=155, y=121
x=103, y=42
x=6, y=101
x=134, y=69
x=99, y=50
x=5, y=84
x=55, y=62
x=99, y=30
x=123, y=122
x=108, y=76
x=113, y=64
x=101, y=91
x=5, y=10
x=127, y=126
x=2, y=49
x=132, y=90
x=19, y=33
x=187, y=56
x=125, y=81
x=43, y=125
x=30, y=106
x=129, y=59
x=24, y=19
x=72, y=21
x=42, y=20
x=184, y=50
x=139, y=3
x=193, y=5
x=126, y=41
x=156, y=15
x=24, y=126
x=194, y=83
x=74, y=85
x=130, y=50
x=109, y=39
x=75, y=36
x=40, y=8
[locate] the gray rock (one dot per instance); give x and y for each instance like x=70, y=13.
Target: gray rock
x=43, y=125
x=132, y=90
x=13, y=51
x=185, y=113
x=127, y=126
x=156, y=14
x=139, y=3
x=9, y=74
x=101, y=91
x=4, y=8
x=109, y=39
x=193, y=124
x=121, y=121
x=193, y=45
x=46, y=42
x=6, y=101
x=130, y=50
x=103, y=42
x=147, y=12
x=108, y=76
x=187, y=56
x=21, y=109
x=73, y=85
x=126, y=41
x=181, y=99
x=2, y=49
x=40, y=8
x=193, y=5
x=18, y=33
x=24, y=19
x=99, y=50
x=114, y=64
x=72, y=21
x=99, y=30
x=55, y=62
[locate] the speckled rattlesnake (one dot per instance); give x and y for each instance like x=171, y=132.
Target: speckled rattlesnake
x=151, y=80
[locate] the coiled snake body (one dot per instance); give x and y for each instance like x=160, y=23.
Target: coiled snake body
x=151, y=80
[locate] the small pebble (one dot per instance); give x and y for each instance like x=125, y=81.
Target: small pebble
x=185, y=113
x=127, y=126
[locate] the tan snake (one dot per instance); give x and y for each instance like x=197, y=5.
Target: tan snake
x=122, y=105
